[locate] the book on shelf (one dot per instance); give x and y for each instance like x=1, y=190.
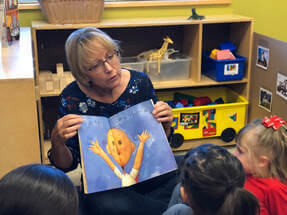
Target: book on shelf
x=127, y=148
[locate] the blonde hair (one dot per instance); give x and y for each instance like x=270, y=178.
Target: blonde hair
x=268, y=142
x=81, y=47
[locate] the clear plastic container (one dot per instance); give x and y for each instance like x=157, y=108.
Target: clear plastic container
x=170, y=70
x=133, y=63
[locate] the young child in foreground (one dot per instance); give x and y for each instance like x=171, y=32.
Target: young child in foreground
x=212, y=182
x=37, y=189
x=262, y=150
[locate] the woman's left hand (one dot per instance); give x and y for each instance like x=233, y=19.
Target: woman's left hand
x=163, y=113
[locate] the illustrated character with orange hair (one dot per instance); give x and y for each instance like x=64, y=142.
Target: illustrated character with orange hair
x=120, y=147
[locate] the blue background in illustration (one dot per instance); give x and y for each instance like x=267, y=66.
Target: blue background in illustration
x=157, y=158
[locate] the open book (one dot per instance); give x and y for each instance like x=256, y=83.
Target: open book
x=127, y=148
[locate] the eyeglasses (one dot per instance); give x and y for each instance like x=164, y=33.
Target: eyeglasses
x=101, y=63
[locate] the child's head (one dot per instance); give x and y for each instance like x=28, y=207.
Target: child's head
x=262, y=148
x=212, y=182
x=37, y=189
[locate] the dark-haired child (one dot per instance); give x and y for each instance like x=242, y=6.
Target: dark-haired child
x=211, y=182
x=37, y=189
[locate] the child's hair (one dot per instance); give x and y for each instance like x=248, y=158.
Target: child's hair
x=269, y=142
x=213, y=180
x=37, y=189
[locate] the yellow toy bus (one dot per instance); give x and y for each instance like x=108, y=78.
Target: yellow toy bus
x=223, y=120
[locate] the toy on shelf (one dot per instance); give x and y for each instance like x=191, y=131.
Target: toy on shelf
x=178, y=96
x=225, y=54
x=144, y=55
x=159, y=54
x=167, y=55
x=181, y=100
x=64, y=77
x=213, y=53
x=200, y=101
x=55, y=83
x=169, y=52
x=195, y=16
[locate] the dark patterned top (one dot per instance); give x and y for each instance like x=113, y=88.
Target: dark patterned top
x=74, y=101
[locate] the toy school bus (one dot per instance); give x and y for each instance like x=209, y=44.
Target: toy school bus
x=218, y=120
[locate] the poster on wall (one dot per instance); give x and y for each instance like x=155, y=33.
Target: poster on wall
x=281, y=87
x=265, y=99
x=262, y=57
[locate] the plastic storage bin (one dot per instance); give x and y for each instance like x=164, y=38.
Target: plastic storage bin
x=132, y=63
x=223, y=70
x=223, y=120
x=170, y=70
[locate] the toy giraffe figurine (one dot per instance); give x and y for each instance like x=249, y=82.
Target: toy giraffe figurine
x=159, y=54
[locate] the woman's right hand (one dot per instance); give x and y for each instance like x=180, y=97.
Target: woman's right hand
x=65, y=128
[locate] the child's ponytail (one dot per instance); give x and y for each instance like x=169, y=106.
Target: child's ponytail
x=239, y=201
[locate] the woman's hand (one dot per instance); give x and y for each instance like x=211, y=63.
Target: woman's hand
x=163, y=113
x=65, y=128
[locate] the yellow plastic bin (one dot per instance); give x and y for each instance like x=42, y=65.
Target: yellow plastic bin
x=223, y=120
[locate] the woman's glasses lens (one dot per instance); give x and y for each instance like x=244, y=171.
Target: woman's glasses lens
x=101, y=64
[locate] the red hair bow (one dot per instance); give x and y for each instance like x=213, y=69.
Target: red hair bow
x=274, y=121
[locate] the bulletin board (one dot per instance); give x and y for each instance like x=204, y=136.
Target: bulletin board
x=268, y=86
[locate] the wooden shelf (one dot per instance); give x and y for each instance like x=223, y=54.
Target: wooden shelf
x=141, y=22
x=205, y=81
x=19, y=125
x=191, y=38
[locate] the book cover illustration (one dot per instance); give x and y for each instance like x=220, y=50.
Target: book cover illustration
x=127, y=148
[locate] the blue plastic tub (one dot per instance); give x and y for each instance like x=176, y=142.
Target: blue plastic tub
x=223, y=70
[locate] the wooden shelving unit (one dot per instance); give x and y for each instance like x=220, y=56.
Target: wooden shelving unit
x=18, y=111
x=190, y=37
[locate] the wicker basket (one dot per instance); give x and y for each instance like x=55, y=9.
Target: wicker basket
x=72, y=11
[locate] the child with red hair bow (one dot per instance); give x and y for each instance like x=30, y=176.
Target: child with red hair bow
x=261, y=146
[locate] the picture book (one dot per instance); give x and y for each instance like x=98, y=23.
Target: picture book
x=125, y=149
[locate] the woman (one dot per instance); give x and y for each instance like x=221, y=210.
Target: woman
x=101, y=88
